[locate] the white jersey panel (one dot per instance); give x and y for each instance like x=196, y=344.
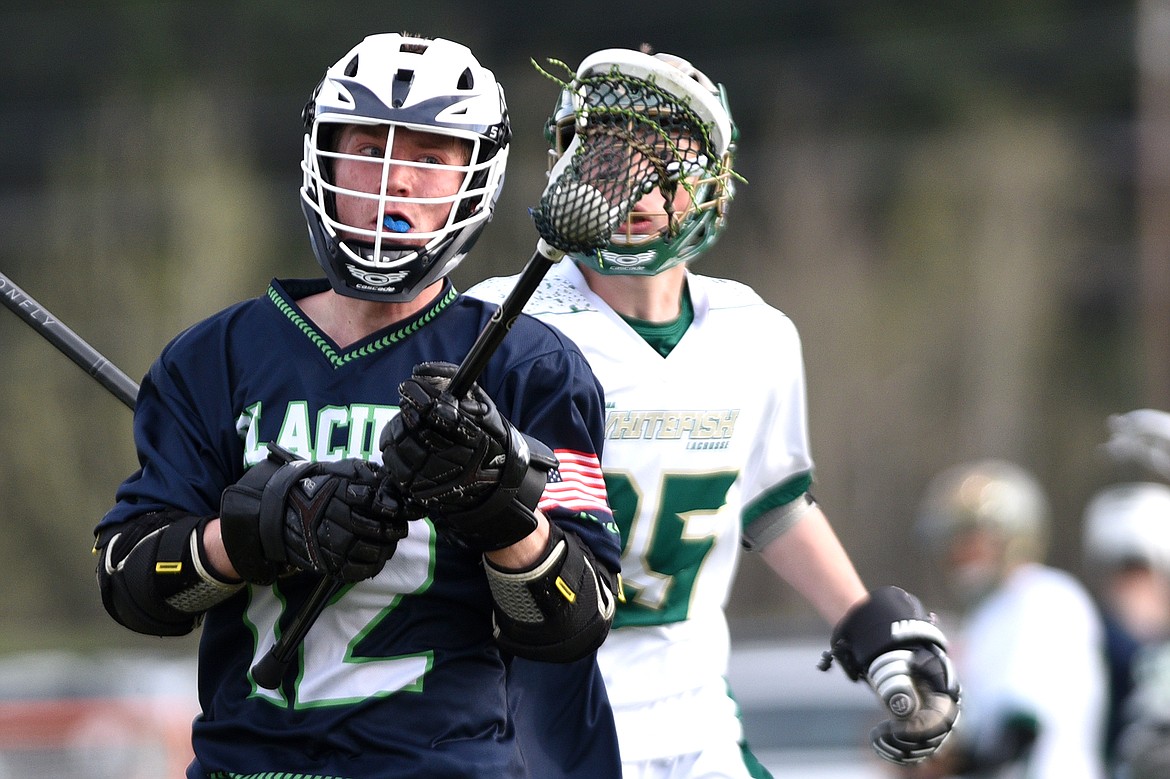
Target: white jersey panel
x=690, y=440
x=1036, y=646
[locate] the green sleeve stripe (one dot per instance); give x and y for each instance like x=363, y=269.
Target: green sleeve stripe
x=780, y=495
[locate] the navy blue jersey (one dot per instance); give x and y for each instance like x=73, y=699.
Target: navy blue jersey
x=400, y=675
x=563, y=719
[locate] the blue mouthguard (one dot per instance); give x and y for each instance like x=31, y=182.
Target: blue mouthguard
x=396, y=225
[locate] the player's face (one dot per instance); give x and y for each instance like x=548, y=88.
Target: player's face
x=650, y=216
x=974, y=564
x=1139, y=596
x=364, y=168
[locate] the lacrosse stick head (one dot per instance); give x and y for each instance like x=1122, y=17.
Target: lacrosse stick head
x=630, y=125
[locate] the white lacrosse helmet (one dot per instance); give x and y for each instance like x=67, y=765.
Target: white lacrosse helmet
x=693, y=230
x=399, y=81
x=1126, y=524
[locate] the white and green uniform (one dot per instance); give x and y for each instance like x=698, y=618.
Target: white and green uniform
x=697, y=445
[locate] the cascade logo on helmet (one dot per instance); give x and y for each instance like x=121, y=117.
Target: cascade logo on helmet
x=620, y=260
x=377, y=279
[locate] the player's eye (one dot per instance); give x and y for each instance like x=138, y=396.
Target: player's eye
x=372, y=150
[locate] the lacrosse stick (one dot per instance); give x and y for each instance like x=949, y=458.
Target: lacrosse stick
x=641, y=124
x=68, y=342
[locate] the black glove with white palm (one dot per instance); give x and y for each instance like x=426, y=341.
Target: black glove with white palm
x=288, y=514
x=459, y=460
x=893, y=643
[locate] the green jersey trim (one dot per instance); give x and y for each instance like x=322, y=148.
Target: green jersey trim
x=780, y=495
x=269, y=775
x=339, y=360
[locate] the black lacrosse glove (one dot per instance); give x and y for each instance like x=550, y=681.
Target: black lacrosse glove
x=892, y=642
x=287, y=514
x=460, y=461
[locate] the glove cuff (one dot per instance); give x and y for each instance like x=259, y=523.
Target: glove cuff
x=889, y=618
x=251, y=516
x=507, y=515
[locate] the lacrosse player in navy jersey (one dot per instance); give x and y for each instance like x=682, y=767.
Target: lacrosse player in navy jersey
x=707, y=450
x=273, y=453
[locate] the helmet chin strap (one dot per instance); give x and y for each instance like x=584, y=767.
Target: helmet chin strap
x=392, y=253
x=425, y=255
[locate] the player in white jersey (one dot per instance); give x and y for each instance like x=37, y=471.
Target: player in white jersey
x=707, y=450
x=1029, y=642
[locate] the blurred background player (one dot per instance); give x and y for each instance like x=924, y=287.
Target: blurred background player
x=1028, y=643
x=403, y=674
x=1143, y=746
x=1127, y=565
x=1127, y=557
x=706, y=451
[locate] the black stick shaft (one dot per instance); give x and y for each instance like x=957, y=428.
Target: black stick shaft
x=501, y=322
x=270, y=669
x=68, y=342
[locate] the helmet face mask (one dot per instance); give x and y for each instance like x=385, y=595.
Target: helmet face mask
x=657, y=235
x=386, y=221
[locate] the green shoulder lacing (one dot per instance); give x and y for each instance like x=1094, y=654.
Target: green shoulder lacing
x=269, y=775
x=389, y=339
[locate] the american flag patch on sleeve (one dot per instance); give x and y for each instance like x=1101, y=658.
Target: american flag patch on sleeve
x=577, y=484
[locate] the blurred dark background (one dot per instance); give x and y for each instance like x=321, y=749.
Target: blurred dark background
x=962, y=206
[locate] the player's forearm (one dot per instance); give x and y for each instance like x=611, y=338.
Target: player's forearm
x=810, y=558
x=525, y=552
x=217, y=556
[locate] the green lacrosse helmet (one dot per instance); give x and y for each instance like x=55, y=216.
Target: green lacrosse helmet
x=690, y=231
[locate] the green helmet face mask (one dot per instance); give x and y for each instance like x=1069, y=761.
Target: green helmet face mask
x=689, y=231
